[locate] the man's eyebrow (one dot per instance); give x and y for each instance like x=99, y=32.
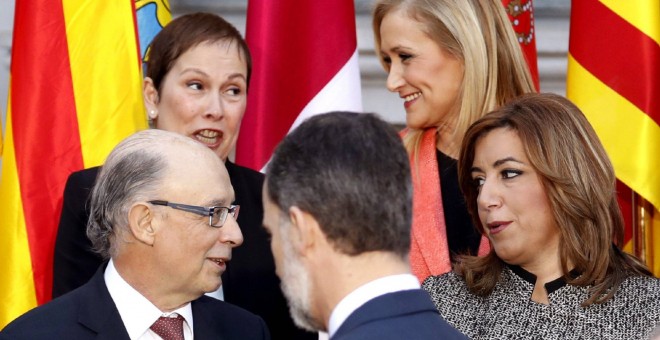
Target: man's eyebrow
x=217, y=202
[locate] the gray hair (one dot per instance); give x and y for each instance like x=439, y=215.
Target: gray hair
x=132, y=172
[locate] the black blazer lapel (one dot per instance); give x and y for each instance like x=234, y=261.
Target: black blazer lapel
x=97, y=310
x=203, y=321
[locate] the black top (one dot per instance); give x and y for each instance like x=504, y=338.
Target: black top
x=462, y=236
x=249, y=282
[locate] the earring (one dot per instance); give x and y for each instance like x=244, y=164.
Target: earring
x=153, y=114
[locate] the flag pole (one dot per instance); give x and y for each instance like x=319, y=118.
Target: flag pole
x=643, y=244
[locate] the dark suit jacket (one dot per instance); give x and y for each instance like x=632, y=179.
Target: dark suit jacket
x=90, y=313
x=407, y=314
x=249, y=281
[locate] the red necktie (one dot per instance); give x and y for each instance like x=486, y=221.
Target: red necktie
x=169, y=328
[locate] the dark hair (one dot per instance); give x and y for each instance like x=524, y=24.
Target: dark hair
x=351, y=172
x=579, y=180
x=186, y=32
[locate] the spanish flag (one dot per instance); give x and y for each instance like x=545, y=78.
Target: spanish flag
x=614, y=77
x=75, y=92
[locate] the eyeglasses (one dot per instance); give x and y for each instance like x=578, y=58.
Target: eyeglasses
x=217, y=215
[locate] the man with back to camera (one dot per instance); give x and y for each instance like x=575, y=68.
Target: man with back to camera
x=161, y=212
x=338, y=205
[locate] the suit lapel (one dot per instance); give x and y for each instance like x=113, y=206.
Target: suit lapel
x=202, y=322
x=97, y=310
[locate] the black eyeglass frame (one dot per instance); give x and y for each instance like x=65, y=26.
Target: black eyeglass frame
x=204, y=211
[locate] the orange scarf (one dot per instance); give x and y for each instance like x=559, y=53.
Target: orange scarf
x=429, y=250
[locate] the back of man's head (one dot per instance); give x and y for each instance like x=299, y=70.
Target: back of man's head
x=350, y=172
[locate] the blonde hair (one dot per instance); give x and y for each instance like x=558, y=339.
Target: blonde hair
x=579, y=179
x=479, y=34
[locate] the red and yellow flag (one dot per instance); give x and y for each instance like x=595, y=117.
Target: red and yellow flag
x=614, y=77
x=75, y=92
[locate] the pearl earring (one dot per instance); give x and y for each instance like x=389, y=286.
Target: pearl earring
x=152, y=114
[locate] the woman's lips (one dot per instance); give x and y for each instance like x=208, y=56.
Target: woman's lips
x=410, y=99
x=497, y=227
x=208, y=137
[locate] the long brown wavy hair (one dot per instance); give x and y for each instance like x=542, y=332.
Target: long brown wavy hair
x=580, y=183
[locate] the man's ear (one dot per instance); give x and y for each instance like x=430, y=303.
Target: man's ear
x=150, y=96
x=140, y=222
x=305, y=230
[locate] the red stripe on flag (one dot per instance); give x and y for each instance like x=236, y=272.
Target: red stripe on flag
x=617, y=53
x=137, y=36
x=297, y=48
x=45, y=127
x=624, y=197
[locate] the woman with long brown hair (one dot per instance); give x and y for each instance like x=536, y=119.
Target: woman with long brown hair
x=538, y=183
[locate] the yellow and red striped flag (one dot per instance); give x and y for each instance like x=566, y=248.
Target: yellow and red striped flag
x=75, y=91
x=614, y=77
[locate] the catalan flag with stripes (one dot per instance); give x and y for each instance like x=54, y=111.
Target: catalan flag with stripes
x=614, y=77
x=75, y=92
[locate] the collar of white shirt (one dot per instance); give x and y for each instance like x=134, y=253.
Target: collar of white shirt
x=138, y=313
x=367, y=292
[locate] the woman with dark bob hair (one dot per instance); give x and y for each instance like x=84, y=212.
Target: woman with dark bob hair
x=538, y=183
x=196, y=84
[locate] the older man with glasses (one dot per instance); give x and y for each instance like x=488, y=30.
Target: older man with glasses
x=163, y=256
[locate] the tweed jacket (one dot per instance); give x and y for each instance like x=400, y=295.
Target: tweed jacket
x=509, y=313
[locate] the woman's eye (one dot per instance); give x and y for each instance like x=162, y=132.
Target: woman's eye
x=195, y=86
x=404, y=56
x=387, y=60
x=234, y=91
x=478, y=181
x=507, y=174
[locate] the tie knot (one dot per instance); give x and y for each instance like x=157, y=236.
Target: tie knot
x=169, y=328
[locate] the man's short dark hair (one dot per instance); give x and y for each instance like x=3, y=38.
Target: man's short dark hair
x=351, y=172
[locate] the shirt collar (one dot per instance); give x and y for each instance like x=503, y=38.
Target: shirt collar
x=551, y=286
x=367, y=292
x=136, y=311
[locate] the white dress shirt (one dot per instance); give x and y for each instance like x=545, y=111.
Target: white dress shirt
x=138, y=313
x=366, y=293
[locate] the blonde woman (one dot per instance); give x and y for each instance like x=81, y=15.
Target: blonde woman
x=450, y=61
